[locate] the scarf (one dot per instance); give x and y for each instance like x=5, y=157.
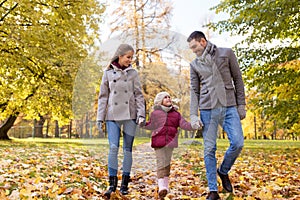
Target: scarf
x=118, y=65
x=165, y=108
x=206, y=57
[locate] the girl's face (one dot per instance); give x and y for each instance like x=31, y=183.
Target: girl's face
x=167, y=101
x=126, y=59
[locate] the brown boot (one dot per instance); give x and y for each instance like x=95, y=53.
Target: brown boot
x=213, y=196
x=225, y=181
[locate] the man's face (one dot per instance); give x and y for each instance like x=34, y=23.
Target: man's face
x=197, y=46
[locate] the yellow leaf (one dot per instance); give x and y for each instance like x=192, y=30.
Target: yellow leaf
x=37, y=180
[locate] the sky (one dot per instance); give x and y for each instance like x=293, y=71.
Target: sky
x=190, y=15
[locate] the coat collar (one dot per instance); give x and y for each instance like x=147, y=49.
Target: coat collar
x=158, y=107
x=118, y=69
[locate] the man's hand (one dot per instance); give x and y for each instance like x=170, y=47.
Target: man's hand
x=242, y=111
x=196, y=123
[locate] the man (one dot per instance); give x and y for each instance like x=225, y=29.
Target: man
x=217, y=89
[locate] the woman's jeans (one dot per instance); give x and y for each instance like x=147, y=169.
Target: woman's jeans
x=229, y=119
x=114, y=133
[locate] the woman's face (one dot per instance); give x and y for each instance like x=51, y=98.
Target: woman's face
x=167, y=101
x=126, y=59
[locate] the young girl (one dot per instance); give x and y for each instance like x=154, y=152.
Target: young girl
x=164, y=122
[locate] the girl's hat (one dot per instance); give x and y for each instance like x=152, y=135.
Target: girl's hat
x=159, y=97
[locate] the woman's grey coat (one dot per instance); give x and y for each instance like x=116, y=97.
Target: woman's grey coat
x=120, y=95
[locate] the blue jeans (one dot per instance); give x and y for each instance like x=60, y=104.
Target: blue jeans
x=229, y=119
x=114, y=132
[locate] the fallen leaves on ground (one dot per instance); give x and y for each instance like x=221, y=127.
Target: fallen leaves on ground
x=72, y=172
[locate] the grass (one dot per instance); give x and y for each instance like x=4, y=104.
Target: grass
x=221, y=143
x=257, y=144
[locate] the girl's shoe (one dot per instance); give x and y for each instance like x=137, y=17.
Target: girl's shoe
x=162, y=189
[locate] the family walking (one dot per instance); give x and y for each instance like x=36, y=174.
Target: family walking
x=217, y=97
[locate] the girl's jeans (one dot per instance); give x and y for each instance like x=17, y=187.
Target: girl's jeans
x=229, y=119
x=114, y=133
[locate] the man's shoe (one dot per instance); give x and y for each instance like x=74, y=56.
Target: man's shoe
x=225, y=181
x=213, y=196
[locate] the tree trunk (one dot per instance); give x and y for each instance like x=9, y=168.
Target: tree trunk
x=255, y=133
x=70, y=130
x=87, y=126
x=56, y=129
x=47, y=129
x=5, y=127
x=38, y=129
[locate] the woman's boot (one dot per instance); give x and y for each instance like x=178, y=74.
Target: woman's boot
x=124, y=184
x=113, y=182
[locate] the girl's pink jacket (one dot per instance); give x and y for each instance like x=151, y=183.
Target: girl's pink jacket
x=164, y=126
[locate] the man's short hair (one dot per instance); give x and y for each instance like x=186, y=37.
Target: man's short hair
x=197, y=35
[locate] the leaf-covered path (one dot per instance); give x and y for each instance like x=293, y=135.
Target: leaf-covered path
x=184, y=183
x=66, y=171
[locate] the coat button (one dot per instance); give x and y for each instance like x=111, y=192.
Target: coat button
x=126, y=102
x=115, y=81
x=115, y=72
x=116, y=103
x=125, y=91
x=115, y=92
x=125, y=80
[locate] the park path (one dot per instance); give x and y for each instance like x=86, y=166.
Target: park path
x=182, y=181
x=143, y=159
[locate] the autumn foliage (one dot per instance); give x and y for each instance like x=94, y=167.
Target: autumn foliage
x=54, y=169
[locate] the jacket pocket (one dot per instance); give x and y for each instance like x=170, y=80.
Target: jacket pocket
x=223, y=61
x=158, y=141
x=229, y=87
x=203, y=92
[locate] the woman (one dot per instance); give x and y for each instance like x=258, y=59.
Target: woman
x=121, y=104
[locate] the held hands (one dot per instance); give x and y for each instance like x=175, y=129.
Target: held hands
x=141, y=121
x=196, y=123
x=242, y=111
x=99, y=126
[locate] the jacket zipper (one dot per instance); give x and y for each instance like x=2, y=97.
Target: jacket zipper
x=167, y=129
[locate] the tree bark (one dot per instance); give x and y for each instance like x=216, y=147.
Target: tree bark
x=70, y=130
x=38, y=129
x=56, y=129
x=4, y=128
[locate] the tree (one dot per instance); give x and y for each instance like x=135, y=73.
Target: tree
x=270, y=29
x=42, y=46
x=141, y=20
x=269, y=54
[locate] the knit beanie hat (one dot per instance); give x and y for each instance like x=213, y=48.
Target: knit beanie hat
x=159, y=98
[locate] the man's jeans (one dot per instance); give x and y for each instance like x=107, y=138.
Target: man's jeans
x=229, y=119
x=114, y=132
